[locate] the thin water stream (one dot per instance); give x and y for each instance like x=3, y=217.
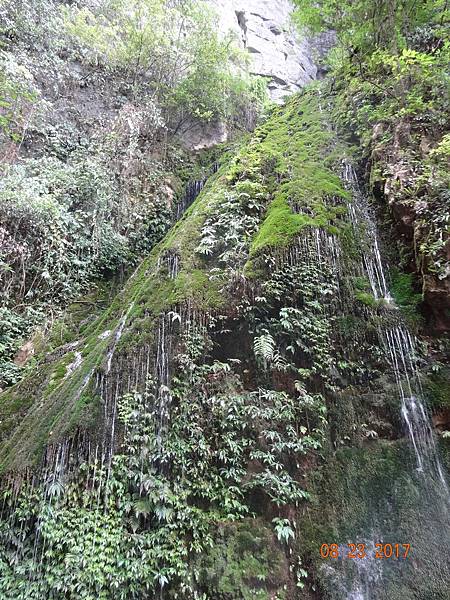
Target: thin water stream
x=401, y=353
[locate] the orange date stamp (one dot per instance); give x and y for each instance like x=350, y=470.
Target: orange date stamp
x=361, y=551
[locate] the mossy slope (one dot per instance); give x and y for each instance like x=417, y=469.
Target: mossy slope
x=280, y=179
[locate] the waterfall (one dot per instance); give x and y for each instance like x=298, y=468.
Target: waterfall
x=110, y=390
x=117, y=336
x=400, y=351
x=162, y=376
x=361, y=214
x=398, y=343
x=192, y=190
x=401, y=348
x=170, y=261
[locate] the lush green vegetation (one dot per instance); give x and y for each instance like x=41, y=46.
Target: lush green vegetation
x=172, y=53
x=92, y=100
x=236, y=446
x=137, y=528
x=212, y=245
x=198, y=432
x=390, y=83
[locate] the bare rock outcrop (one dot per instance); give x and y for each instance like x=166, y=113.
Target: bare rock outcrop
x=277, y=52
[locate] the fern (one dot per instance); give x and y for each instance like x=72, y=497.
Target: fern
x=266, y=351
x=208, y=240
x=279, y=362
x=143, y=507
x=264, y=348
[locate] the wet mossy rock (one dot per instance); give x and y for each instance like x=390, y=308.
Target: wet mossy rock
x=364, y=495
x=280, y=396
x=279, y=178
x=245, y=563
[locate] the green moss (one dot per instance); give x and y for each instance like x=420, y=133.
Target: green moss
x=292, y=159
x=362, y=292
x=437, y=388
x=369, y=495
x=361, y=284
x=245, y=563
x=406, y=298
x=280, y=226
x=367, y=299
x=188, y=285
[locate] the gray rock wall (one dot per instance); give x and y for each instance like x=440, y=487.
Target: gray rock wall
x=277, y=52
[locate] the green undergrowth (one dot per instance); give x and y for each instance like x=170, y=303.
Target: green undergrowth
x=405, y=296
x=200, y=525
x=282, y=179
x=437, y=388
x=43, y=410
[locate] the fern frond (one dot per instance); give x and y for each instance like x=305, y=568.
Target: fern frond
x=264, y=348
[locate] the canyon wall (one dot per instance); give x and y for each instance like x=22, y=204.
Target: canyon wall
x=277, y=52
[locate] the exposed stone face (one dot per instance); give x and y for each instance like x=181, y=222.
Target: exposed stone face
x=25, y=352
x=412, y=214
x=203, y=136
x=277, y=52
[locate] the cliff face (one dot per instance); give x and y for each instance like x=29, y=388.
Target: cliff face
x=250, y=391
x=277, y=52
x=236, y=406
x=410, y=177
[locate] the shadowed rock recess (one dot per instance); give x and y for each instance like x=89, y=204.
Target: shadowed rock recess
x=251, y=394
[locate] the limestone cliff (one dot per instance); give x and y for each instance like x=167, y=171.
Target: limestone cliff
x=277, y=52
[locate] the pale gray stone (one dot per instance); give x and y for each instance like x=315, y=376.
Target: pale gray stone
x=276, y=50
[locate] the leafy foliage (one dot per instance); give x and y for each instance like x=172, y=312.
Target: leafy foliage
x=405, y=296
x=283, y=529
x=18, y=94
x=92, y=96
x=166, y=490
x=389, y=74
x=173, y=49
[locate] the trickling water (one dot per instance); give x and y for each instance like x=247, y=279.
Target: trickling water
x=117, y=336
x=400, y=350
x=367, y=577
x=109, y=389
x=74, y=365
x=191, y=192
x=398, y=343
x=170, y=260
x=355, y=578
x=162, y=375
x=361, y=215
